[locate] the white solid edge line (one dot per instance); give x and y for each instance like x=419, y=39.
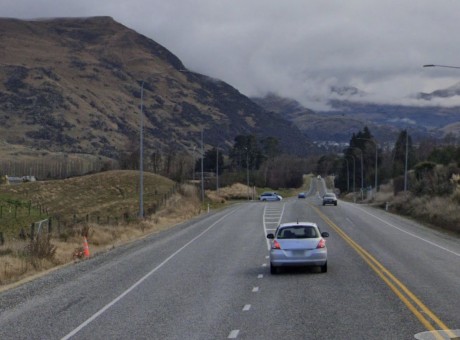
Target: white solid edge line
x=126, y=292
x=408, y=233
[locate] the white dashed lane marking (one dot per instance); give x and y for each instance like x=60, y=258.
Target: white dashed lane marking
x=233, y=334
x=271, y=217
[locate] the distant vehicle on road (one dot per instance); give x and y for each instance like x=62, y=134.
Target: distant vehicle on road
x=298, y=244
x=329, y=198
x=270, y=196
x=301, y=195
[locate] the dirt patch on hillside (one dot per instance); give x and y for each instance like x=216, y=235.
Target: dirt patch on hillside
x=236, y=191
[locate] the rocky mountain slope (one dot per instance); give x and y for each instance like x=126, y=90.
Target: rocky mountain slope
x=330, y=127
x=77, y=85
x=384, y=121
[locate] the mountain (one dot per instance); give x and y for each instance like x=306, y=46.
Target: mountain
x=451, y=91
x=76, y=85
x=322, y=127
x=384, y=121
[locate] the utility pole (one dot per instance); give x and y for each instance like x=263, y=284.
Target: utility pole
x=217, y=169
x=406, y=161
x=141, y=156
x=247, y=169
x=202, y=175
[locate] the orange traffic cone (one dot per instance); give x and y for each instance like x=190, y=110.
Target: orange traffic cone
x=85, y=247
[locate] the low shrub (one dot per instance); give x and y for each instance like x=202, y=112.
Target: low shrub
x=440, y=211
x=40, y=248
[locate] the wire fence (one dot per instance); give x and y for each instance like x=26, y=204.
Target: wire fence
x=14, y=214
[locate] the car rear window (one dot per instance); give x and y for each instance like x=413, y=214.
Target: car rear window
x=297, y=232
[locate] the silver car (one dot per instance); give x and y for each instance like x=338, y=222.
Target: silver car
x=329, y=198
x=298, y=244
x=270, y=196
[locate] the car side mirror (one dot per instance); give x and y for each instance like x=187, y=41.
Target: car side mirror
x=325, y=234
x=270, y=236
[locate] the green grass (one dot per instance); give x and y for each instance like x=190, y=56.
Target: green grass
x=15, y=214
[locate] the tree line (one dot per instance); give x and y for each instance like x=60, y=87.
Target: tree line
x=258, y=161
x=425, y=168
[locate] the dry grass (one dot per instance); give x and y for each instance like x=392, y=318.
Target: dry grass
x=16, y=264
x=439, y=211
x=236, y=191
x=442, y=212
x=385, y=194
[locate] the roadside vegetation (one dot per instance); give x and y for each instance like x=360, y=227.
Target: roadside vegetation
x=442, y=211
x=420, y=181
x=103, y=206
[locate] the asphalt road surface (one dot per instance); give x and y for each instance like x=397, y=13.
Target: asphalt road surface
x=209, y=278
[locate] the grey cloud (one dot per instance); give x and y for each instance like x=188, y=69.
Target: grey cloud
x=295, y=48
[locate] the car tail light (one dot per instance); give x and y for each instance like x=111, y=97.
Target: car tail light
x=321, y=244
x=276, y=245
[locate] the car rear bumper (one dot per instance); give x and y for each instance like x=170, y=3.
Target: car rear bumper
x=330, y=202
x=316, y=258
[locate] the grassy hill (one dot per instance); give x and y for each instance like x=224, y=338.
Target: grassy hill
x=106, y=196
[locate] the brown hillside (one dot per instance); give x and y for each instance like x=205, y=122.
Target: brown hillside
x=74, y=85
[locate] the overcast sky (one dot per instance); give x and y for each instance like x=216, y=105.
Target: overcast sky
x=295, y=48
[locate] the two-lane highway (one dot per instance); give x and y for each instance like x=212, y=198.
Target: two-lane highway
x=209, y=278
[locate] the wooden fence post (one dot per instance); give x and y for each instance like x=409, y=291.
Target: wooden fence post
x=32, y=231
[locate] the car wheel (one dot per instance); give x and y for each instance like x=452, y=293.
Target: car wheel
x=335, y=203
x=324, y=268
x=273, y=269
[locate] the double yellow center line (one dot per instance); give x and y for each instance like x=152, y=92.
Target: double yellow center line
x=417, y=307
